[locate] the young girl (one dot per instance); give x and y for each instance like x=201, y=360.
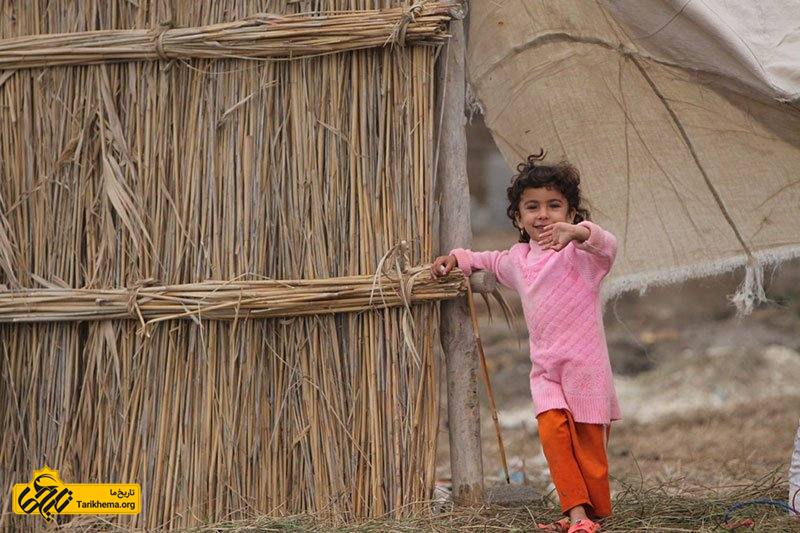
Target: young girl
x=557, y=268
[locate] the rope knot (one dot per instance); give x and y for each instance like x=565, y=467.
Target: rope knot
x=158, y=39
x=398, y=35
x=132, y=306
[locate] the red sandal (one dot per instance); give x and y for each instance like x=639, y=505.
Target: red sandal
x=561, y=526
x=584, y=525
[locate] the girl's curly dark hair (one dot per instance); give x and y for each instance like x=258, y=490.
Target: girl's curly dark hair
x=562, y=177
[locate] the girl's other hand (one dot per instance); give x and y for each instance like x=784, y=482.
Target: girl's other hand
x=442, y=265
x=558, y=235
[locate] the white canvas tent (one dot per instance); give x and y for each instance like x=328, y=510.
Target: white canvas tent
x=682, y=117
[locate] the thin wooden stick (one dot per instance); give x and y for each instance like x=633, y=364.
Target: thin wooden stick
x=492, y=406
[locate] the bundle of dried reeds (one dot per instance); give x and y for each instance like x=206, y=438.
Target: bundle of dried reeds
x=262, y=35
x=229, y=300
x=210, y=169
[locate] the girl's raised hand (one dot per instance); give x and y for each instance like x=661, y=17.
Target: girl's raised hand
x=442, y=265
x=558, y=235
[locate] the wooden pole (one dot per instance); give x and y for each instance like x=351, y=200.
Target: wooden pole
x=458, y=343
x=794, y=475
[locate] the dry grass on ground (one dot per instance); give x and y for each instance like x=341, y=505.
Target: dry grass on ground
x=638, y=506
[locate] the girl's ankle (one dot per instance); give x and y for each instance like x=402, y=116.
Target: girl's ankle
x=577, y=513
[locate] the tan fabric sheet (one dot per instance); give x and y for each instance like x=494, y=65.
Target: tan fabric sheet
x=695, y=172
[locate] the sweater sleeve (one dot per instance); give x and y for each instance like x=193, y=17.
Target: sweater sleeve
x=596, y=254
x=497, y=262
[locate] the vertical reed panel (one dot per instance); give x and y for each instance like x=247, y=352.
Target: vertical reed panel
x=123, y=174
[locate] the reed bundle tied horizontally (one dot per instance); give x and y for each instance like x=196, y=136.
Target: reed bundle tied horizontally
x=229, y=300
x=262, y=35
x=226, y=169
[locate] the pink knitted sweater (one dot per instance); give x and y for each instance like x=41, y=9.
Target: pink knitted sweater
x=560, y=294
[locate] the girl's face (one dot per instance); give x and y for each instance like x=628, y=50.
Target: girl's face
x=540, y=206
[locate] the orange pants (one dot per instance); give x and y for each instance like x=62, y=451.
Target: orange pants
x=576, y=456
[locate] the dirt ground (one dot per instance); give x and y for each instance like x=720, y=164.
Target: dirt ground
x=709, y=401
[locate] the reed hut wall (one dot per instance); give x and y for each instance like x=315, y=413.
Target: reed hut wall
x=136, y=173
